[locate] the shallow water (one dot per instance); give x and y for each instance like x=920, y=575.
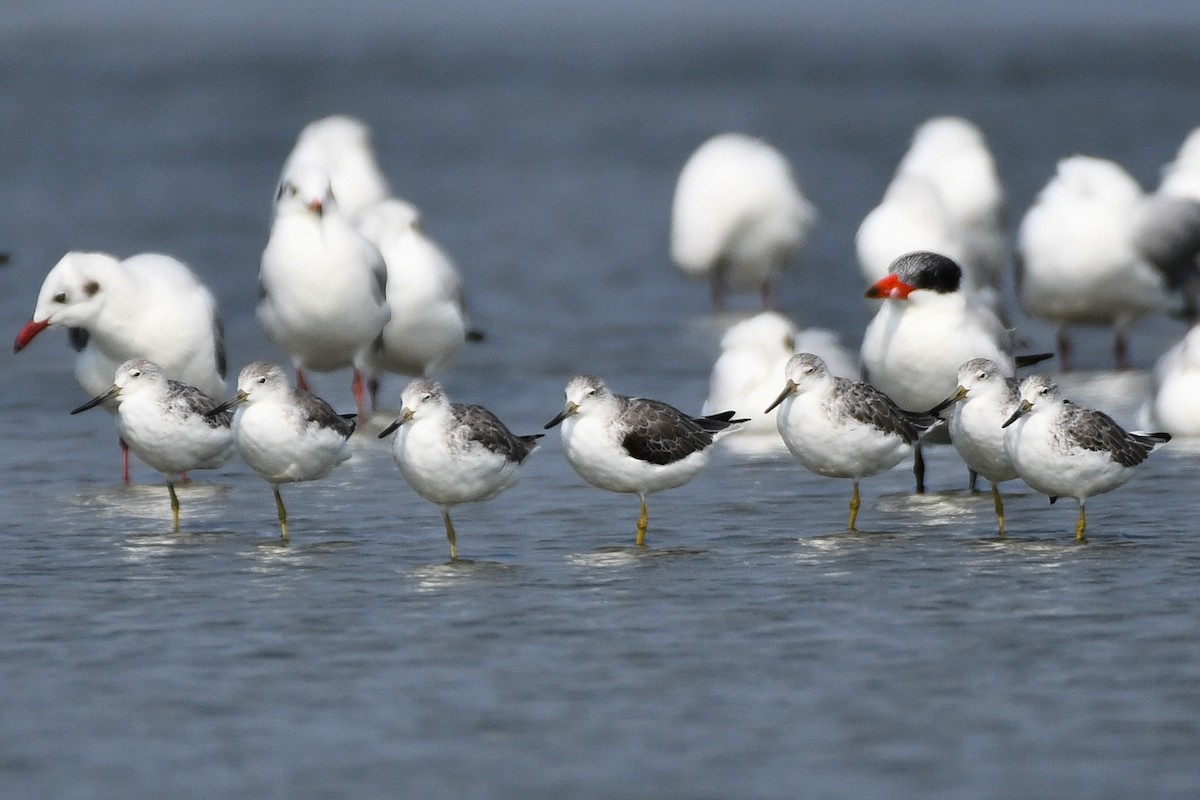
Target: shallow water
x=755, y=649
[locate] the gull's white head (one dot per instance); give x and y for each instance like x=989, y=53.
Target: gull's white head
x=305, y=189
x=1085, y=178
x=73, y=294
x=388, y=220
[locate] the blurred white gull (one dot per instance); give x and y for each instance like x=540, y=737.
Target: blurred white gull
x=341, y=147
x=738, y=216
x=1173, y=407
x=321, y=283
x=148, y=306
x=952, y=153
x=754, y=353
x=424, y=292
x=1094, y=249
x=912, y=216
x=1181, y=178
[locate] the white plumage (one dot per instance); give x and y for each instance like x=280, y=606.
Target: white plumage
x=286, y=435
x=424, y=293
x=840, y=428
x=1096, y=250
x=341, y=147
x=148, y=306
x=166, y=423
x=634, y=445
x=753, y=355
x=952, y=153
x=322, y=284
x=984, y=400
x=452, y=453
x=1174, y=405
x=738, y=215
x=1064, y=450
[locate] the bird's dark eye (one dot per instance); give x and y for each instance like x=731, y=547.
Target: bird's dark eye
x=425, y=398
x=135, y=374
x=981, y=375
x=61, y=297
x=263, y=379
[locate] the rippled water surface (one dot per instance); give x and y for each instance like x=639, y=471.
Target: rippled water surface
x=755, y=648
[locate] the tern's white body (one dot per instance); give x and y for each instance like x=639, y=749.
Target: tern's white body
x=912, y=348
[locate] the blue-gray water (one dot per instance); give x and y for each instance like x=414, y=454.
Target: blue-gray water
x=754, y=650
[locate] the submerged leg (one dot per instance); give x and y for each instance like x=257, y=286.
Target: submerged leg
x=282, y=513
x=124, y=461
x=174, y=504
x=1064, y=349
x=999, y=504
x=919, y=468
x=643, y=521
x=1081, y=526
x=854, y=504
x=1121, y=348
x=450, y=534
x=768, y=295
x=373, y=385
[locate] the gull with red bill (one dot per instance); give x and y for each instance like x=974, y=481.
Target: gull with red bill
x=148, y=306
